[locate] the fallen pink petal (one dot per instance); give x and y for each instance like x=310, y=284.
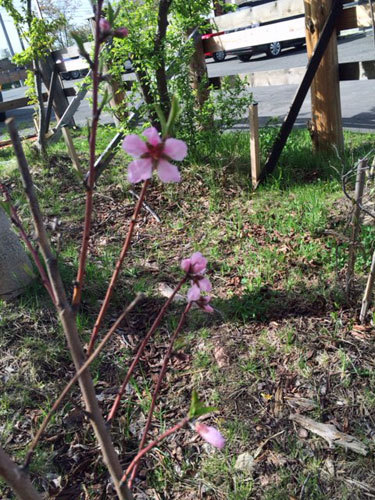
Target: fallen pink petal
x=211, y=435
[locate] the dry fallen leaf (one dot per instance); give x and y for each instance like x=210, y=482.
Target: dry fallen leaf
x=221, y=357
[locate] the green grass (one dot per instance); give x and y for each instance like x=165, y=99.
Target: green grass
x=281, y=317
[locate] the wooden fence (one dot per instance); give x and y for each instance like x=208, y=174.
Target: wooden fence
x=279, y=21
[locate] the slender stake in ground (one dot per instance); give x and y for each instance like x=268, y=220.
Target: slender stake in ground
x=356, y=219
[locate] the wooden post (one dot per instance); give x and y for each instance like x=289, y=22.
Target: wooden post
x=254, y=144
x=325, y=90
x=60, y=104
x=51, y=92
x=303, y=88
x=356, y=219
x=72, y=151
x=60, y=101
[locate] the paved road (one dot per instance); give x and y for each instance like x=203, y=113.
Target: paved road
x=357, y=97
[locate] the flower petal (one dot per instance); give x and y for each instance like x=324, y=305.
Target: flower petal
x=104, y=26
x=168, y=172
x=175, y=149
x=134, y=145
x=198, y=263
x=210, y=434
x=140, y=170
x=205, y=285
x=121, y=32
x=185, y=265
x=208, y=308
x=152, y=135
x=194, y=293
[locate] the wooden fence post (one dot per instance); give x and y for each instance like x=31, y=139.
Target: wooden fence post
x=254, y=144
x=356, y=219
x=325, y=89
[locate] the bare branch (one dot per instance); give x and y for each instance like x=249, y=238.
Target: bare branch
x=68, y=322
x=17, y=478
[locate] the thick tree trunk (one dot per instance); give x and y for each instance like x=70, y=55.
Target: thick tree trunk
x=198, y=71
x=161, y=74
x=15, y=266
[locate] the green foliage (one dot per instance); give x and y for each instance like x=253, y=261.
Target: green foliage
x=225, y=105
x=40, y=35
x=197, y=409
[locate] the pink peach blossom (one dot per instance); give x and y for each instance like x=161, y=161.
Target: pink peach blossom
x=121, y=32
x=211, y=435
x=203, y=303
x=105, y=27
x=154, y=153
x=194, y=293
x=195, y=265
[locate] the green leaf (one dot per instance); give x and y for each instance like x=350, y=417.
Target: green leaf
x=110, y=14
x=173, y=115
x=197, y=409
x=79, y=41
x=162, y=120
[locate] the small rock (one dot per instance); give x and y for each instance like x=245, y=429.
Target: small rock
x=302, y=433
x=245, y=463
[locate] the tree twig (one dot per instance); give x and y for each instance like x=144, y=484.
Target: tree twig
x=141, y=348
x=91, y=179
x=359, y=188
x=143, y=452
x=67, y=318
x=158, y=385
x=17, y=478
x=118, y=266
x=368, y=291
x=74, y=379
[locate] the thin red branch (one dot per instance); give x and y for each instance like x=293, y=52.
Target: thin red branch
x=74, y=379
x=118, y=266
x=77, y=293
x=17, y=222
x=141, y=348
x=158, y=385
x=143, y=452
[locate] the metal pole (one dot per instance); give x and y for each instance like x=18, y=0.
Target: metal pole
x=6, y=36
